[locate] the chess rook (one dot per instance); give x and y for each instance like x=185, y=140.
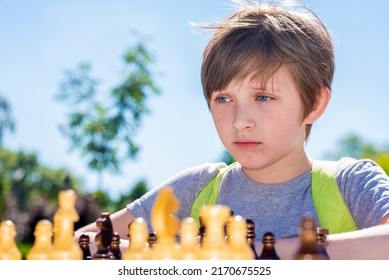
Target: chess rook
x=214, y=247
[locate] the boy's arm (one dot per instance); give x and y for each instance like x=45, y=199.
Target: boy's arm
x=365, y=244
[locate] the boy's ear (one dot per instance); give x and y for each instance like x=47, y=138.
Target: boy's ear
x=320, y=105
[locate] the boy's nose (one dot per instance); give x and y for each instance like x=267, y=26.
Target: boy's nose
x=242, y=118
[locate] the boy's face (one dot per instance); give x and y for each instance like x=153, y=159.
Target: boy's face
x=263, y=129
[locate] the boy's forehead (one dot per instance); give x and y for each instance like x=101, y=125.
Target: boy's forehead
x=280, y=78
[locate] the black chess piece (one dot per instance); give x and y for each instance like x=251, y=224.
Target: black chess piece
x=309, y=249
x=67, y=183
x=251, y=236
x=103, y=238
x=201, y=231
x=84, y=242
x=322, y=241
x=152, y=239
x=115, y=246
x=269, y=251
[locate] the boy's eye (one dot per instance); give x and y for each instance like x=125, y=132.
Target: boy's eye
x=222, y=99
x=263, y=98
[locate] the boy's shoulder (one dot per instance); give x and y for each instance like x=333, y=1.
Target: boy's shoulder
x=351, y=165
x=350, y=168
x=197, y=174
x=352, y=171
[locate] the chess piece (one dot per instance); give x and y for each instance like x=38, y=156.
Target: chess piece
x=188, y=235
x=237, y=239
x=322, y=241
x=201, y=231
x=67, y=182
x=115, y=246
x=166, y=226
x=43, y=246
x=8, y=248
x=226, y=229
x=152, y=239
x=84, y=242
x=268, y=250
x=103, y=238
x=309, y=249
x=65, y=247
x=66, y=206
x=138, y=247
x=214, y=246
x=251, y=236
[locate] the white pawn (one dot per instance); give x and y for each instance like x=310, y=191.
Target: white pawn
x=42, y=247
x=138, y=248
x=188, y=239
x=8, y=248
x=237, y=239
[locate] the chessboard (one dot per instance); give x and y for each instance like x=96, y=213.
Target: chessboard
x=220, y=236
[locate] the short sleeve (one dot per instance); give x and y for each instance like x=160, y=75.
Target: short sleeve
x=365, y=189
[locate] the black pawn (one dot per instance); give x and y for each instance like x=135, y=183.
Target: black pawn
x=84, y=242
x=201, y=232
x=322, y=241
x=115, y=246
x=251, y=236
x=152, y=239
x=268, y=250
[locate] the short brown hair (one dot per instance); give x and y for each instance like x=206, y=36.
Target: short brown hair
x=262, y=37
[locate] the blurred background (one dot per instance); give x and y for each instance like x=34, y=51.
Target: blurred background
x=105, y=97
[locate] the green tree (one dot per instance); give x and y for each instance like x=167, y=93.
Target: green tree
x=227, y=158
x=6, y=124
x=29, y=190
x=353, y=145
x=101, y=126
x=139, y=189
x=6, y=119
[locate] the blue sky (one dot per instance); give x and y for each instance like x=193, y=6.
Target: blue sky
x=40, y=39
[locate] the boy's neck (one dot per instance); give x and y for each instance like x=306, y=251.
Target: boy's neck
x=281, y=171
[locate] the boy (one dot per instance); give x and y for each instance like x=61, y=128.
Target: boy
x=266, y=74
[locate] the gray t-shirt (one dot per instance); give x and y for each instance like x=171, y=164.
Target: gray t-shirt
x=278, y=208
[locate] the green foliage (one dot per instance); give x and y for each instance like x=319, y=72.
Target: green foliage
x=104, y=200
x=354, y=146
x=136, y=192
x=24, y=248
x=25, y=179
x=227, y=158
x=102, y=126
x=29, y=190
x=383, y=160
x=110, y=205
x=6, y=120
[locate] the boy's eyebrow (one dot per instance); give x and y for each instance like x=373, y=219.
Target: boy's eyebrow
x=265, y=89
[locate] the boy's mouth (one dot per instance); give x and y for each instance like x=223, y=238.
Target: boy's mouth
x=247, y=144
